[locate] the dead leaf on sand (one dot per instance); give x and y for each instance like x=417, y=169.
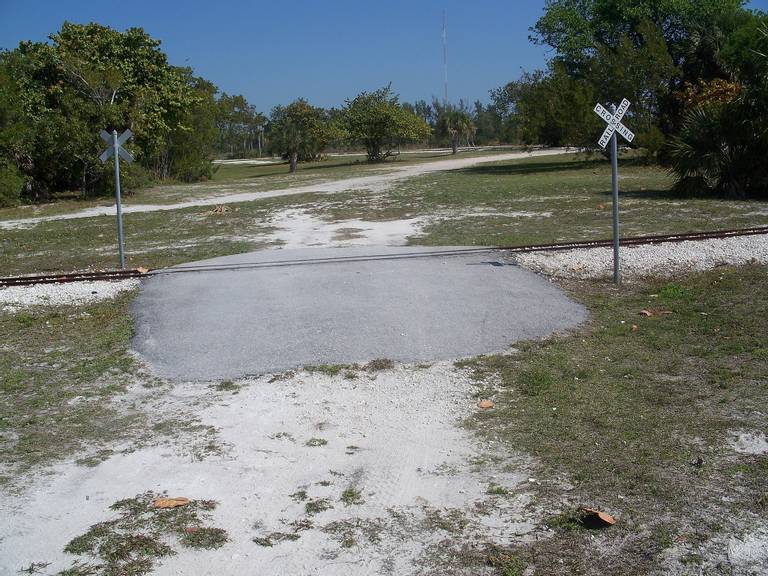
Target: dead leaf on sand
x=170, y=502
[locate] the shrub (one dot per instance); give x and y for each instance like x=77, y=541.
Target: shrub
x=11, y=185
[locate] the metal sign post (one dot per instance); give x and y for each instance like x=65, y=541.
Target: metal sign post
x=613, y=118
x=116, y=149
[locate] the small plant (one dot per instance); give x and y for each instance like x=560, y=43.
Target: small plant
x=379, y=364
x=328, y=369
x=299, y=495
x=318, y=505
x=275, y=538
x=206, y=538
x=315, y=442
x=227, y=386
x=673, y=292
x=352, y=496
x=497, y=490
x=142, y=533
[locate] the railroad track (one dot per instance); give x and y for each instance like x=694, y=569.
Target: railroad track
x=140, y=273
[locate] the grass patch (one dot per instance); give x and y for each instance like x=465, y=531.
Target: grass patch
x=625, y=415
x=315, y=442
x=495, y=490
x=226, y=386
x=317, y=505
x=541, y=199
x=379, y=364
x=352, y=497
x=141, y=534
x=328, y=369
x=59, y=368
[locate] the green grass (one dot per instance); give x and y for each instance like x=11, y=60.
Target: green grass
x=59, y=368
x=315, y=442
x=352, y=496
x=317, y=505
x=234, y=179
x=131, y=543
x=624, y=415
x=545, y=199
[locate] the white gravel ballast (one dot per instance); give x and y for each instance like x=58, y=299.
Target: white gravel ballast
x=72, y=293
x=664, y=260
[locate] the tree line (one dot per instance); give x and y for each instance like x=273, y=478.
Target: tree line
x=696, y=72
x=56, y=96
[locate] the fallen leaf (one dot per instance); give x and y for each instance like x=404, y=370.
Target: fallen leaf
x=485, y=404
x=655, y=312
x=635, y=328
x=601, y=206
x=597, y=519
x=170, y=502
x=142, y=270
x=191, y=529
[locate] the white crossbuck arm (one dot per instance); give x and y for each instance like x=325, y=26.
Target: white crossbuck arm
x=614, y=123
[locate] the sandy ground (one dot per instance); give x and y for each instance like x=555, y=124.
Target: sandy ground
x=297, y=228
x=393, y=435
x=375, y=183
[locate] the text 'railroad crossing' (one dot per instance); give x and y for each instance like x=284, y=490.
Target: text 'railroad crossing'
x=614, y=123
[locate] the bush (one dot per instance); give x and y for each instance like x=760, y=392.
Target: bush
x=11, y=186
x=721, y=149
x=132, y=177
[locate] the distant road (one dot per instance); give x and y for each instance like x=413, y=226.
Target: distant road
x=375, y=183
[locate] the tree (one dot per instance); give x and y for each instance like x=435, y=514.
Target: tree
x=239, y=125
x=300, y=131
x=723, y=143
x=457, y=124
x=551, y=108
x=378, y=121
x=92, y=77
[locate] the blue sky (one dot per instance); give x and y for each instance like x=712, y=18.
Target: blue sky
x=326, y=51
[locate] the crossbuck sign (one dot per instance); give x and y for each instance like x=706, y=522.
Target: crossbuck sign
x=614, y=123
x=115, y=148
x=614, y=118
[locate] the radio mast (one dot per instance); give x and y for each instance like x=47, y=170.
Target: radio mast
x=445, y=56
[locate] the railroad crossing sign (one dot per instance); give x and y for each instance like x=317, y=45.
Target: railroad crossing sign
x=614, y=123
x=122, y=139
x=613, y=118
x=115, y=148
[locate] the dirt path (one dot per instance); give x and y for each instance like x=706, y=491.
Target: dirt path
x=365, y=472
x=375, y=183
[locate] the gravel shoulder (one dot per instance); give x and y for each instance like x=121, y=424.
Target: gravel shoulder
x=660, y=260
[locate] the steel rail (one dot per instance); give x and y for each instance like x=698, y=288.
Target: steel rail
x=558, y=246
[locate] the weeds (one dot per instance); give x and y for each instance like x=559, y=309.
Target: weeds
x=131, y=543
x=352, y=496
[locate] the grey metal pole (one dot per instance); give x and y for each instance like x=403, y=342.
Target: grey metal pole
x=615, y=190
x=120, y=241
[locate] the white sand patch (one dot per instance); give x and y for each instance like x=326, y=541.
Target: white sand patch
x=299, y=229
x=664, y=260
x=750, y=443
x=749, y=553
x=393, y=435
x=73, y=293
x=375, y=183
x=497, y=214
x=248, y=161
